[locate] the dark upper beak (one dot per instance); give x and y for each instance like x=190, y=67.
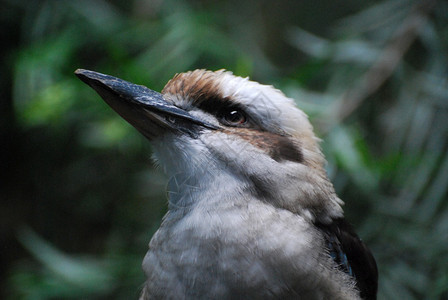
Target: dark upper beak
x=143, y=108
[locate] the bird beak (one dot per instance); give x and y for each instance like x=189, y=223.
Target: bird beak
x=143, y=108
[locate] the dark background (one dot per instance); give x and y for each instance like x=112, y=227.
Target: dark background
x=80, y=198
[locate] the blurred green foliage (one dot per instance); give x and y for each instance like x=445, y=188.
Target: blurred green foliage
x=79, y=196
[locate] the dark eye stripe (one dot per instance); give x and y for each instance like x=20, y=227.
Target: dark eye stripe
x=214, y=105
x=222, y=108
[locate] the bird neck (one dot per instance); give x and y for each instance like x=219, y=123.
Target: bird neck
x=209, y=187
x=206, y=176
x=218, y=188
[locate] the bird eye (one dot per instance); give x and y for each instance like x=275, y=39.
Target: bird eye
x=233, y=117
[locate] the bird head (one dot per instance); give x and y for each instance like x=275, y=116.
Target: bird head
x=215, y=129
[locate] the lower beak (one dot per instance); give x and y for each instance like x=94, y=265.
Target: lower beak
x=143, y=108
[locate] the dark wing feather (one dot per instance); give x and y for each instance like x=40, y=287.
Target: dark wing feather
x=352, y=256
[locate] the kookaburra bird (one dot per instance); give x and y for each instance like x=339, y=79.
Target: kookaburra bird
x=252, y=213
